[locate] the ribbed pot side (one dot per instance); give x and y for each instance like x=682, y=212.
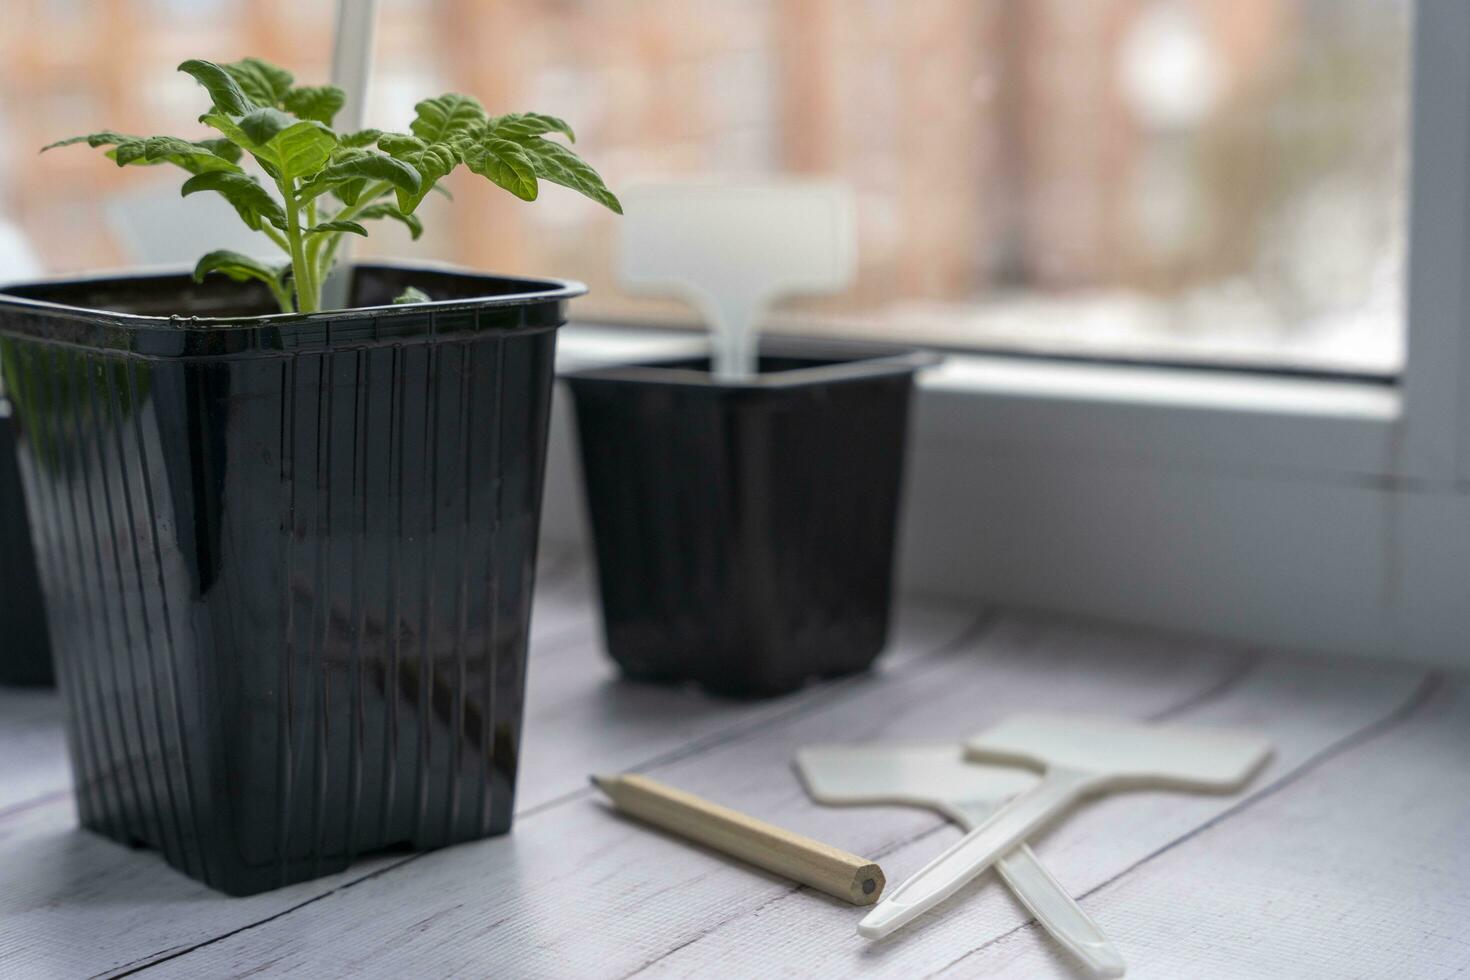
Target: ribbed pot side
x=289, y=585
x=745, y=531
x=25, y=654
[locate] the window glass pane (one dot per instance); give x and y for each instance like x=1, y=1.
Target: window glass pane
x=1211, y=179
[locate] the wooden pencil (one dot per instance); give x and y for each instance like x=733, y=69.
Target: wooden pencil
x=828, y=869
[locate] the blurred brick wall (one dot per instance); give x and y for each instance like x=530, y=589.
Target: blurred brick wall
x=987, y=140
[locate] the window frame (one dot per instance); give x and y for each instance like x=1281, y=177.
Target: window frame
x=1325, y=514
x=1436, y=439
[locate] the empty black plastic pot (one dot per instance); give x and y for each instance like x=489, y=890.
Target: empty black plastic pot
x=25, y=655
x=287, y=559
x=745, y=530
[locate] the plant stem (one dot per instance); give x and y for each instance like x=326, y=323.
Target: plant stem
x=302, y=272
x=330, y=255
x=279, y=291
x=282, y=295
x=328, y=248
x=275, y=236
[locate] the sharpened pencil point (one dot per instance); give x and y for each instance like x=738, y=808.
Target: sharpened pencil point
x=601, y=782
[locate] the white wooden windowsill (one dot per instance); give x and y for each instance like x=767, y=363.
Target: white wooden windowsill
x=1345, y=856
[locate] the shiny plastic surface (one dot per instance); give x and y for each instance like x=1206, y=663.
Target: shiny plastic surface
x=25, y=653
x=288, y=560
x=745, y=529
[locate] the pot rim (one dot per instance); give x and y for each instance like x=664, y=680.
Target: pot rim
x=552, y=290
x=848, y=361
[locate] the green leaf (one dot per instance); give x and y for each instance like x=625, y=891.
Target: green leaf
x=556, y=163
x=386, y=210
x=231, y=130
x=431, y=168
x=400, y=144
x=346, y=191
x=260, y=126
x=432, y=161
x=349, y=191
x=148, y=151
x=505, y=163
x=262, y=82
x=252, y=201
x=243, y=268
x=156, y=148
x=257, y=109
x=449, y=115
x=521, y=126
x=197, y=158
x=234, y=134
x=303, y=148
x=363, y=137
x=319, y=102
x=347, y=226
x=128, y=151
x=221, y=148
x=224, y=91
x=283, y=145
x=412, y=294
x=365, y=165
x=438, y=160
x=105, y=138
x=238, y=267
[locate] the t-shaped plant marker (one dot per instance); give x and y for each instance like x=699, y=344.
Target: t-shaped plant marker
x=732, y=249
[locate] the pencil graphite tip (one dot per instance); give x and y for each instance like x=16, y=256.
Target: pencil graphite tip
x=603, y=783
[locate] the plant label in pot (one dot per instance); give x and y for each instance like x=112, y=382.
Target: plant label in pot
x=288, y=554
x=745, y=529
x=731, y=249
x=744, y=505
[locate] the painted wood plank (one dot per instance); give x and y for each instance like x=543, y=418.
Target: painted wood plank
x=1306, y=707
x=1359, y=868
x=579, y=891
x=33, y=761
x=582, y=718
x=79, y=905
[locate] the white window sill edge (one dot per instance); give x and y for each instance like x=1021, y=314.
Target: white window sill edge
x=1192, y=388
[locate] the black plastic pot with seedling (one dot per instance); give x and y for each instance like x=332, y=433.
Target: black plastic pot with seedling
x=744, y=504
x=288, y=552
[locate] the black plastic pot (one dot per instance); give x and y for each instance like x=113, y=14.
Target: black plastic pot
x=25, y=655
x=288, y=560
x=745, y=530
